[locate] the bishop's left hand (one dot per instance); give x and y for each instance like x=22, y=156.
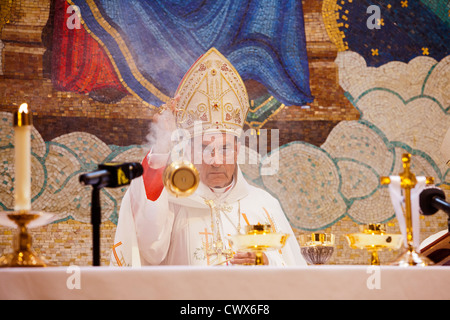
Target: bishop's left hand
x=247, y=258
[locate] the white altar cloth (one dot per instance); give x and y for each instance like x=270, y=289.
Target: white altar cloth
x=226, y=283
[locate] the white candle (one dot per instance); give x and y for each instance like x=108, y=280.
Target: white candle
x=22, y=157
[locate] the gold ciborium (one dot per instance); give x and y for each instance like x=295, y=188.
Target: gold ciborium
x=258, y=238
x=23, y=255
x=374, y=238
x=316, y=248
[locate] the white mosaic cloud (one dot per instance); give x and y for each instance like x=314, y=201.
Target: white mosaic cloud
x=307, y=184
x=404, y=108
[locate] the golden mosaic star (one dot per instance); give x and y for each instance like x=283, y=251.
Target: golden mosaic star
x=425, y=51
x=374, y=52
x=404, y=4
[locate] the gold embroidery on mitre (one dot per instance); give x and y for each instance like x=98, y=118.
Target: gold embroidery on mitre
x=212, y=92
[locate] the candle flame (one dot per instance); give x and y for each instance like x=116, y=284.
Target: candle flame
x=23, y=108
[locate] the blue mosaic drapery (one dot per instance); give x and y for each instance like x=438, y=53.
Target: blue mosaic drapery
x=153, y=43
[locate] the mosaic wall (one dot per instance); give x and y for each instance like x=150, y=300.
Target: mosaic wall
x=403, y=109
x=56, y=166
x=374, y=98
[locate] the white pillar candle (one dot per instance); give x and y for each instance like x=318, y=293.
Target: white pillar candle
x=22, y=157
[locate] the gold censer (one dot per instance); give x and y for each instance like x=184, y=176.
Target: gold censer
x=181, y=178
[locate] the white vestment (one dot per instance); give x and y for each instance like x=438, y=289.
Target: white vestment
x=178, y=231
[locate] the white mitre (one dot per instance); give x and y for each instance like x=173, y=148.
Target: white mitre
x=213, y=93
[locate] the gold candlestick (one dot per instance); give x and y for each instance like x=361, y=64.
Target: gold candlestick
x=407, y=182
x=22, y=217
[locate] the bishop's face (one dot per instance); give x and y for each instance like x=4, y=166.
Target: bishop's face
x=219, y=159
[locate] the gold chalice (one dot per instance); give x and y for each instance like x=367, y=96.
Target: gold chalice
x=23, y=255
x=374, y=238
x=258, y=238
x=316, y=248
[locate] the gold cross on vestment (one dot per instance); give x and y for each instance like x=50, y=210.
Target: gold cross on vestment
x=217, y=247
x=206, y=234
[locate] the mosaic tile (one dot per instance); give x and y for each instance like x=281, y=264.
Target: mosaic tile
x=55, y=185
x=357, y=153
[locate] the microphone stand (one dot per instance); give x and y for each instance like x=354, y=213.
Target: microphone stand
x=96, y=220
x=111, y=176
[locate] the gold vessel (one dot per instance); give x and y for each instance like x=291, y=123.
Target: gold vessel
x=181, y=178
x=316, y=248
x=374, y=238
x=23, y=255
x=258, y=238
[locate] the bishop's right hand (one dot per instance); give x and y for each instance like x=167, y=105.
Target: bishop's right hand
x=163, y=125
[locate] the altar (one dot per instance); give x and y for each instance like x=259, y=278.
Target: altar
x=226, y=283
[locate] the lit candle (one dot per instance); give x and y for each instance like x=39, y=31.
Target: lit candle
x=22, y=157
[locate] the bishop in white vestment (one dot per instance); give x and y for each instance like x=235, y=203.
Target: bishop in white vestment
x=157, y=228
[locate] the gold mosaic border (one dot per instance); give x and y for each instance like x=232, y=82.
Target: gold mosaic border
x=330, y=15
x=126, y=53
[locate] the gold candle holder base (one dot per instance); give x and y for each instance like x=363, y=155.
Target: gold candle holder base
x=23, y=255
x=410, y=257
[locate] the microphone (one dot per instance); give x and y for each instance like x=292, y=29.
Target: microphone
x=433, y=199
x=112, y=175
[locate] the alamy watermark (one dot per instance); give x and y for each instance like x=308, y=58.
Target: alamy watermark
x=202, y=146
x=374, y=280
x=74, y=280
x=74, y=20
x=374, y=21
